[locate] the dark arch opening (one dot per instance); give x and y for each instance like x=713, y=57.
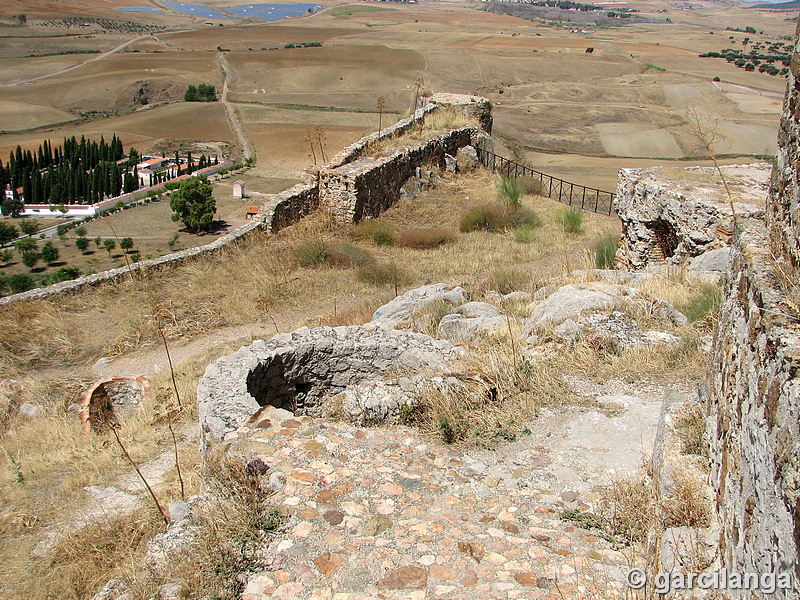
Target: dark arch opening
x=272, y=383
x=664, y=239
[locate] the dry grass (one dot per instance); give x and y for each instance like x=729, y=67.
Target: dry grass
x=493, y=395
x=230, y=525
x=437, y=123
x=686, y=504
x=628, y=508
x=690, y=427
x=85, y=560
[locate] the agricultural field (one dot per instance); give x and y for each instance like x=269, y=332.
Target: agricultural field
x=576, y=100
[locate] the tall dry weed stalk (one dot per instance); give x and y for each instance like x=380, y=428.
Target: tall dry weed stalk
x=707, y=133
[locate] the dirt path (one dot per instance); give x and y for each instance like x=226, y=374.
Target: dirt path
x=230, y=109
x=84, y=63
x=152, y=359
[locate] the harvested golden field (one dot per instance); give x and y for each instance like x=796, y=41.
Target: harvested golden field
x=143, y=129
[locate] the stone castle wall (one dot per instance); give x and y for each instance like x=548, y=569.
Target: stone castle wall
x=375, y=184
x=754, y=390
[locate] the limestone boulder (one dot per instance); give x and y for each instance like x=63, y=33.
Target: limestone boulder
x=467, y=158
x=402, y=308
x=374, y=402
x=471, y=320
x=572, y=301
x=713, y=260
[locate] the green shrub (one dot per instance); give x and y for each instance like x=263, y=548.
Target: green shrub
x=380, y=234
x=488, y=217
x=523, y=234
x=383, y=274
x=707, y=301
x=524, y=217
x=333, y=254
x=571, y=219
x=531, y=185
x=20, y=282
x=425, y=238
x=66, y=273
x=604, y=252
x=509, y=191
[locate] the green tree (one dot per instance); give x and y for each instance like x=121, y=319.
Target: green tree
x=82, y=244
x=29, y=259
x=28, y=227
x=8, y=233
x=12, y=207
x=126, y=243
x=98, y=241
x=109, y=245
x=49, y=253
x=194, y=204
x=25, y=245
x=191, y=94
x=80, y=231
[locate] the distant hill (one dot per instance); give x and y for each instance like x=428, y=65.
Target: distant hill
x=778, y=6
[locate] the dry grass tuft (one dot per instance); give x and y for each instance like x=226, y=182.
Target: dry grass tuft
x=491, y=398
x=35, y=334
x=426, y=238
x=686, y=504
x=628, y=508
x=231, y=523
x=86, y=559
x=690, y=427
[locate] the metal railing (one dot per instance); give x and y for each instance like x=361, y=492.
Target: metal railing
x=572, y=194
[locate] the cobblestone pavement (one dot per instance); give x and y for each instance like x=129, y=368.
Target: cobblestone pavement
x=382, y=513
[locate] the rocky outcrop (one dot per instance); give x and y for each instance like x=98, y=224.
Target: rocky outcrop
x=470, y=321
x=571, y=301
x=405, y=307
x=671, y=214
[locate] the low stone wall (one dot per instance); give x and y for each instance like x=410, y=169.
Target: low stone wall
x=671, y=214
x=754, y=409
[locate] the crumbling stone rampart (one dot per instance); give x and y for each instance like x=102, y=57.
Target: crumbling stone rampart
x=671, y=214
x=754, y=390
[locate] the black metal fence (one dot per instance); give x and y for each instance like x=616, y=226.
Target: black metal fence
x=573, y=194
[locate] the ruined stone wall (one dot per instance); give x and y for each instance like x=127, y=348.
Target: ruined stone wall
x=783, y=211
x=754, y=390
x=754, y=410
x=671, y=214
x=368, y=186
